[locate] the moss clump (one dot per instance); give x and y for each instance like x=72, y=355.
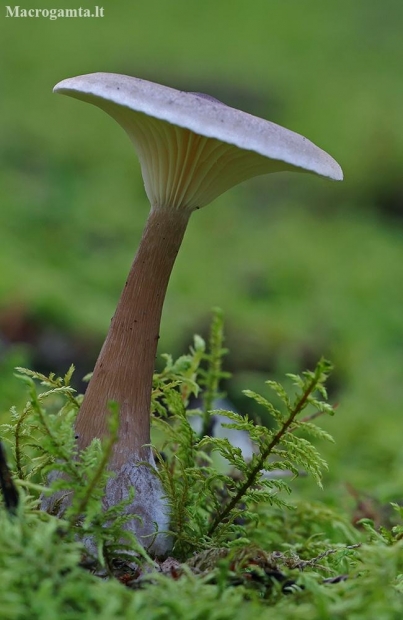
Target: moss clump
x=239, y=547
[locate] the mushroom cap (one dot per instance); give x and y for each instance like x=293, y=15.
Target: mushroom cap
x=192, y=147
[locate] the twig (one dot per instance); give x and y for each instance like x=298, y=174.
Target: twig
x=8, y=488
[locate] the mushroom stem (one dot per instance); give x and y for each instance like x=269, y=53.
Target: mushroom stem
x=125, y=366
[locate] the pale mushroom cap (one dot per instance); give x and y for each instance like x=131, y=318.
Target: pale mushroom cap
x=191, y=147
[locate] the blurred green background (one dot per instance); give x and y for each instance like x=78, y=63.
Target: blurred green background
x=302, y=267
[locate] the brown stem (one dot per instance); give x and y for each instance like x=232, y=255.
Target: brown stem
x=125, y=366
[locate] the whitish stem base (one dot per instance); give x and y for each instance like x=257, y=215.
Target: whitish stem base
x=149, y=507
x=149, y=504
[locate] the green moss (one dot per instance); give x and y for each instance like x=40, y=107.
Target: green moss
x=241, y=546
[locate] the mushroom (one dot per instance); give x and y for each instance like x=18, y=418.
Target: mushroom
x=191, y=148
